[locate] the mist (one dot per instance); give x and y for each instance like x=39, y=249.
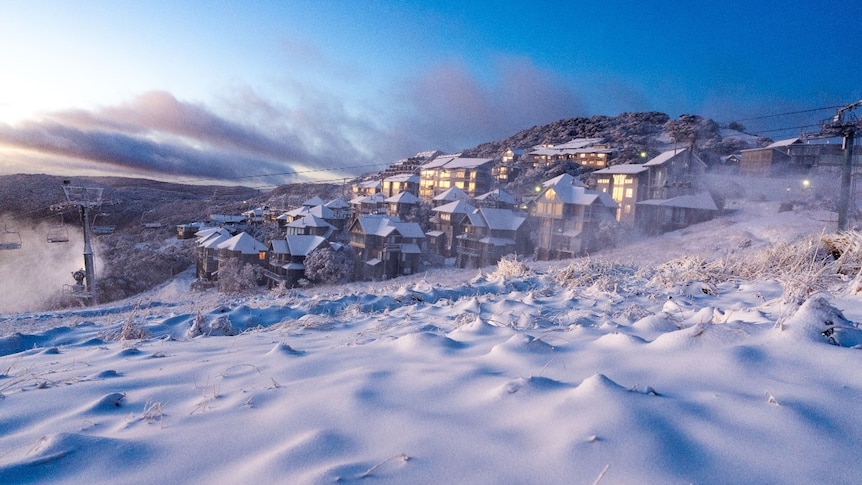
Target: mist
x=33, y=276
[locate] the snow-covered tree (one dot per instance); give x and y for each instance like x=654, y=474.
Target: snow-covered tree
x=326, y=265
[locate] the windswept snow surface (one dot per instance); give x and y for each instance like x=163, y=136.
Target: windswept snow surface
x=536, y=374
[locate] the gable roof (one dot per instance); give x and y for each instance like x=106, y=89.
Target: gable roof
x=456, y=161
x=404, y=198
x=702, y=201
x=383, y=226
x=497, y=219
x=456, y=207
x=243, y=243
x=624, y=169
x=671, y=154
x=453, y=193
x=564, y=179
x=403, y=177
x=303, y=245
x=498, y=195
x=313, y=202
x=337, y=203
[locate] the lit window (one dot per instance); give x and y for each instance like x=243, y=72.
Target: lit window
x=630, y=192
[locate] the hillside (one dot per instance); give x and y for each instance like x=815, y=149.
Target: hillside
x=631, y=133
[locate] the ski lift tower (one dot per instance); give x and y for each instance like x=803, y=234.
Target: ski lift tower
x=86, y=199
x=843, y=124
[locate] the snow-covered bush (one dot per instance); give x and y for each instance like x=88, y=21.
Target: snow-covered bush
x=326, y=265
x=235, y=277
x=511, y=267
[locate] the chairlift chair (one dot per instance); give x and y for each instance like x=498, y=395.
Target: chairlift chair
x=58, y=233
x=9, y=239
x=103, y=229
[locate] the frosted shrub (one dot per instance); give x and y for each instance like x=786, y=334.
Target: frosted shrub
x=601, y=275
x=235, y=277
x=511, y=267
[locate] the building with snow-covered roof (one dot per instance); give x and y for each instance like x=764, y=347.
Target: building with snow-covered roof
x=661, y=215
x=448, y=221
x=569, y=218
x=310, y=225
x=286, y=264
x=385, y=246
x=472, y=175
x=627, y=184
x=791, y=156
x=402, y=204
x=589, y=153
x=406, y=182
x=497, y=199
x=489, y=234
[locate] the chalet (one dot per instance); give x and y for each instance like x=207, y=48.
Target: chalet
x=589, y=153
x=451, y=194
x=396, y=184
x=244, y=248
x=791, y=156
x=448, y=220
x=661, y=215
x=674, y=173
x=507, y=169
x=367, y=205
x=627, y=184
x=340, y=213
x=569, y=216
x=410, y=165
x=497, y=199
x=386, y=246
x=206, y=253
x=287, y=258
x=366, y=188
x=310, y=225
x=472, y=175
x=490, y=234
x=402, y=205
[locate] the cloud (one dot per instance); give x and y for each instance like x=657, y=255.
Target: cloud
x=450, y=103
x=157, y=134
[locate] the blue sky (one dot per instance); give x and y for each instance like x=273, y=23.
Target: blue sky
x=199, y=90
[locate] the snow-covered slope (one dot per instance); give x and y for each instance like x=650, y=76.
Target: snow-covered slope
x=658, y=362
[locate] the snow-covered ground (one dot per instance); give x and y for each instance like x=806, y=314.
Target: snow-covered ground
x=657, y=362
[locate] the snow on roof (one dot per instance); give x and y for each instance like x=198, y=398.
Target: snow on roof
x=376, y=225
x=456, y=207
x=404, y=198
x=403, y=177
x=213, y=240
x=313, y=202
x=298, y=212
x=502, y=219
x=279, y=246
x=702, y=201
x=563, y=179
x=438, y=162
x=624, y=169
x=580, y=195
x=369, y=184
x=468, y=162
x=410, y=248
x=498, y=195
x=303, y=245
x=337, y=203
x=453, y=193
x=294, y=266
x=321, y=211
x=243, y=243
x=671, y=154
x=310, y=220
x=453, y=162
x=784, y=143
x=209, y=231
x=409, y=229
x=434, y=233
